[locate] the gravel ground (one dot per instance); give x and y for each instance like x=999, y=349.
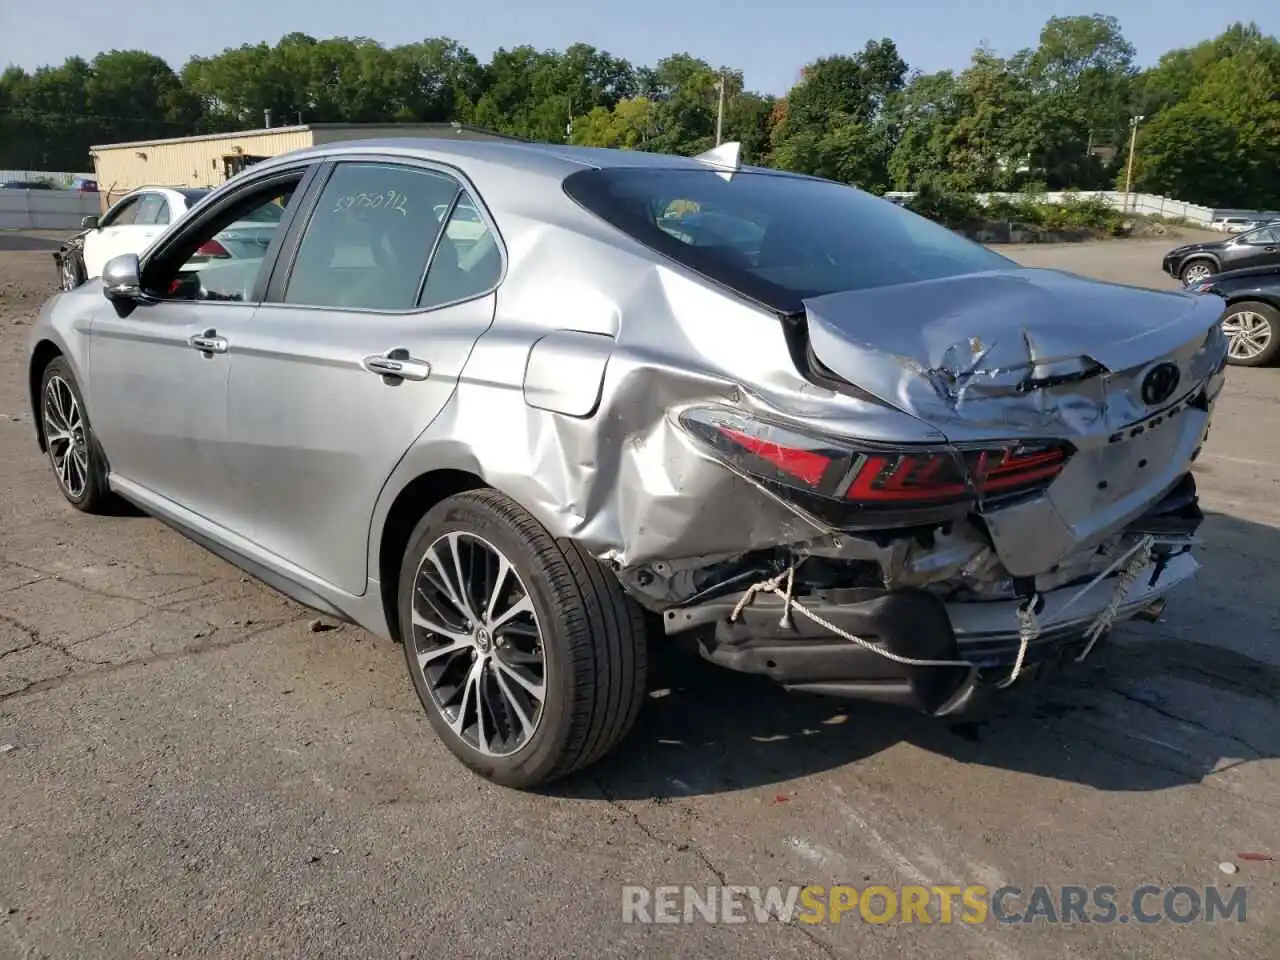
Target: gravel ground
x=196, y=771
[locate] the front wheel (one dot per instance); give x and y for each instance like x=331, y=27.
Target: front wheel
x=74, y=454
x=1197, y=271
x=1253, y=333
x=527, y=655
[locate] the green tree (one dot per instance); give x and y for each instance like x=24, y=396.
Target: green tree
x=929, y=110
x=836, y=122
x=1220, y=145
x=629, y=125
x=1182, y=152
x=1081, y=81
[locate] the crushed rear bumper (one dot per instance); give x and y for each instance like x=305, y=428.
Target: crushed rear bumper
x=803, y=656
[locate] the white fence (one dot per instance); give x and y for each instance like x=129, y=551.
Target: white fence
x=1148, y=203
x=46, y=209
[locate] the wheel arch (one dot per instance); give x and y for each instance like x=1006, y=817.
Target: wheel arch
x=1205, y=255
x=409, y=506
x=1271, y=300
x=42, y=354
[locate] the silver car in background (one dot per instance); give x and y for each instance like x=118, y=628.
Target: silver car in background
x=525, y=408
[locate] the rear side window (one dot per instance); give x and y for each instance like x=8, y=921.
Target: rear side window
x=467, y=261
x=153, y=210
x=777, y=239
x=369, y=238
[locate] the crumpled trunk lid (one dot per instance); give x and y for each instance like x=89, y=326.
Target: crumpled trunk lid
x=1040, y=354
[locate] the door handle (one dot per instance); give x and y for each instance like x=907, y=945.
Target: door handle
x=398, y=364
x=209, y=343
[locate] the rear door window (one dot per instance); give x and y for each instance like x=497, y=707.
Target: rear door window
x=370, y=237
x=153, y=209
x=467, y=261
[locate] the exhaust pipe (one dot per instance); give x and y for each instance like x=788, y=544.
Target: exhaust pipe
x=1152, y=611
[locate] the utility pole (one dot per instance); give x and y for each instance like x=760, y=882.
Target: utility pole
x=1133, y=143
x=720, y=111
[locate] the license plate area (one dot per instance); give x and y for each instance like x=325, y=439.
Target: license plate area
x=1147, y=455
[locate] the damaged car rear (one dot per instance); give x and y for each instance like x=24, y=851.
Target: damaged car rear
x=991, y=465
x=834, y=443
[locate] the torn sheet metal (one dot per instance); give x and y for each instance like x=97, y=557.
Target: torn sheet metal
x=1023, y=350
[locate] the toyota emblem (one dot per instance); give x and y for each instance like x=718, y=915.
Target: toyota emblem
x=1160, y=383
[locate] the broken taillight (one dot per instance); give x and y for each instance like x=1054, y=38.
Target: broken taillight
x=866, y=475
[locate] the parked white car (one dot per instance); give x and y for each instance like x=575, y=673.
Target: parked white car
x=139, y=218
x=1237, y=224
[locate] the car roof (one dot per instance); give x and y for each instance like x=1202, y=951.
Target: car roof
x=549, y=159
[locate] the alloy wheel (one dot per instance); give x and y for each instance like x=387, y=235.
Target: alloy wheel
x=1248, y=334
x=478, y=644
x=1196, y=273
x=65, y=437
x=69, y=277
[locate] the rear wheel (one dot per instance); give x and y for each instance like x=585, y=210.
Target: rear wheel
x=1197, y=271
x=1253, y=333
x=73, y=451
x=525, y=652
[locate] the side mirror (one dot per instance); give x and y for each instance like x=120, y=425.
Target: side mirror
x=121, y=278
x=89, y=223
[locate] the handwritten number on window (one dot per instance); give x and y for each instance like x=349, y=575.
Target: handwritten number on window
x=390, y=200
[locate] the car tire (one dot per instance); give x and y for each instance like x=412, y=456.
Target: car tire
x=77, y=460
x=1196, y=271
x=1253, y=333
x=576, y=638
x=71, y=272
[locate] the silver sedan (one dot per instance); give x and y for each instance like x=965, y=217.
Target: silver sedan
x=526, y=409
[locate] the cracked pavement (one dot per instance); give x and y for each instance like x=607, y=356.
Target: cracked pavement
x=195, y=771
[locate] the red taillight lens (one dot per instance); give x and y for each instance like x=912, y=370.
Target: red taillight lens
x=873, y=475
x=936, y=476
x=807, y=466
x=212, y=249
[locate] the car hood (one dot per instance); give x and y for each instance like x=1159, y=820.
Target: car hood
x=1197, y=247
x=1006, y=352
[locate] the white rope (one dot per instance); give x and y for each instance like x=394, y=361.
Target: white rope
x=774, y=585
x=1028, y=633
x=1124, y=582
x=1029, y=628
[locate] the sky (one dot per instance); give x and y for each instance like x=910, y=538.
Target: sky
x=770, y=41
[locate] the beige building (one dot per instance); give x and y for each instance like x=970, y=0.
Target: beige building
x=206, y=161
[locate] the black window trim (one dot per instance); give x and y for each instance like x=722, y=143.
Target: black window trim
x=217, y=203
x=274, y=294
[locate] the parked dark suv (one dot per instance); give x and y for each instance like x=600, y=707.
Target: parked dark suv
x=1196, y=262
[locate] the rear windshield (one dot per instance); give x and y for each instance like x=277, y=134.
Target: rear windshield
x=777, y=239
